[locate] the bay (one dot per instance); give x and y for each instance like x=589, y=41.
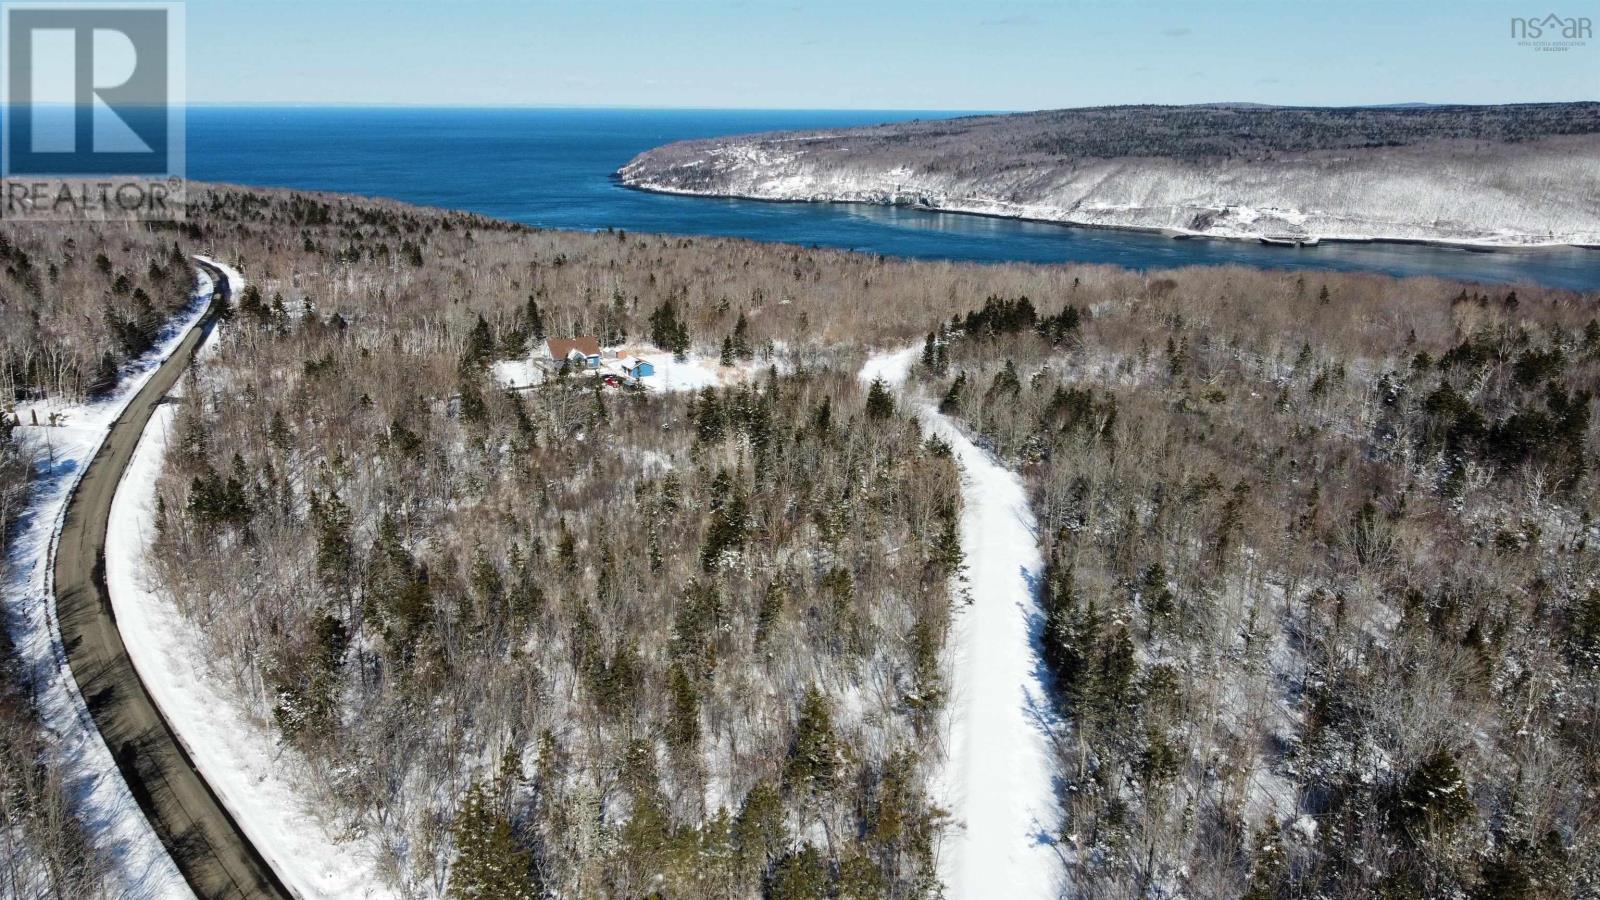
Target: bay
x=555, y=168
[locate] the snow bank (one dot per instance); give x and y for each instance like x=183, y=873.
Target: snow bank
x=116, y=827
x=998, y=774
x=235, y=280
x=254, y=775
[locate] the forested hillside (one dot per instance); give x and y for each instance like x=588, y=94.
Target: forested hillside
x=1320, y=602
x=688, y=644
x=1517, y=174
x=559, y=640
x=1319, y=597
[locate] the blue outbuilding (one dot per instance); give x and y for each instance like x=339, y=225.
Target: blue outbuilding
x=637, y=368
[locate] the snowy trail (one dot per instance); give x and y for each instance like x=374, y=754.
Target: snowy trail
x=998, y=776
x=255, y=777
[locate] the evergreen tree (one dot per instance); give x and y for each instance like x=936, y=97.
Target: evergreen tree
x=668, y=331
x=534, y=319
x=880, y=403
x=707, y=414
x=251, y=305
x=474, y=410
x=614, y=330
x=727, y=530
x=1006, y=381
x=999, y=316
x=305, y=682
x=600, y=414
x=1071, y=638
x=947, y=554
x=741, y=338
x=759, y=832
x=1156, y=596
x=1584, y=630
x=767, y=614
x=950, y=404
x=335, y=554
x=278, y=434
x=215, y=501
x=489, y=863
x=822, y=417
x=1058, y=328
x=815, y=755
x=1270, y=865
x=1505, y=876
x=480, y=346
x=1115, y=672
x=400, y=587
x=649, y=840
x=801, y=875
x=717, y=865
x=683, y=728
x=280, y=314
x=1433, y=799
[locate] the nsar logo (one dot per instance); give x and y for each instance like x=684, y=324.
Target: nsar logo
x=1552, y=32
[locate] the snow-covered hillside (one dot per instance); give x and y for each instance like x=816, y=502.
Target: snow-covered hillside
x=1534, y=192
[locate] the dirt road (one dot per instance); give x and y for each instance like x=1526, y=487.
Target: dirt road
x=213, y=854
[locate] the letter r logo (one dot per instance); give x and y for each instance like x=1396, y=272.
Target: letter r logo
x=89, y=90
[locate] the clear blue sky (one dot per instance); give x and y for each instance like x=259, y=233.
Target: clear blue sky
x=876, y=54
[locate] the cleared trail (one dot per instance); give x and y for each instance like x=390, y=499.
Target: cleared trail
x=998, y=776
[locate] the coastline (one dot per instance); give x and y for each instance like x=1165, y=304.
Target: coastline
x=1309, y=242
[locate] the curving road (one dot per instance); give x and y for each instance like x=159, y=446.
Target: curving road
x=213, y=854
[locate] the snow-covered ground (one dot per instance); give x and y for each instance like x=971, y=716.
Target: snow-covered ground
x=694, y=373
x=998, y=775
x=250, y=770
x=517, y=373
x=141, y=867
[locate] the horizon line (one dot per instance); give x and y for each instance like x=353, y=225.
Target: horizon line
x=341, y=104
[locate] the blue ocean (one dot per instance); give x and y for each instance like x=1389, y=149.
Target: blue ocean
x=554, y=168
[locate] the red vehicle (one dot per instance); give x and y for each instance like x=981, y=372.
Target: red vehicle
x=611, y=381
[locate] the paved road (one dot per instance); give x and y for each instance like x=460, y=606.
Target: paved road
x=213, y=854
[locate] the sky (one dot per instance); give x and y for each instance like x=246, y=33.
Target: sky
x=877, y=54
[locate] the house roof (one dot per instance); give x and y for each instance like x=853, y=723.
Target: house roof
x=634, y=362
x=561, y=348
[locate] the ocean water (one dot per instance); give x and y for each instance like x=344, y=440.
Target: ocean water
x=554, y=168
